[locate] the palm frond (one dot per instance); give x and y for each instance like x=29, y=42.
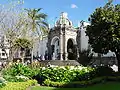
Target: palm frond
x=39, y=9
x=44, y=30
x=41, y=16
x=38, y=19
x=43, y=23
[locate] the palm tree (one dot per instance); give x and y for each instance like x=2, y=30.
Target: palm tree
x=37, y=23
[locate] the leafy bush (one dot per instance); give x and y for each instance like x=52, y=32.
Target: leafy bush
x=35, y=64
x=3, y=82
x=85, y=57
x=64, y=74
x=18, y=69
x=16, y=78
x=74, y=84
x=104, y=71
x=85, y=83
x=48, y=82
x=10, y=78
x=19, y=85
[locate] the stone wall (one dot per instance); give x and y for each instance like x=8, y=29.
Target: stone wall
x=59, y=62
x=104, y=60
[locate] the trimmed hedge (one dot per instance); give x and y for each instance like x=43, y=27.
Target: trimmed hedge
x=74, y=84
x=19, y=85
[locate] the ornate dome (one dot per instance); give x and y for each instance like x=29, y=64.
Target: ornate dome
x=63, y=20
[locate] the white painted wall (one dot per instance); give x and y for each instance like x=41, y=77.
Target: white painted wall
x=109, y=54
x=84, y=41
x=84, y=38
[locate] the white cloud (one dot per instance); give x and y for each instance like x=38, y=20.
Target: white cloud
x=74, y=6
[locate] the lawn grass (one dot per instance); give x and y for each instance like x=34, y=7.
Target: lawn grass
x=105, y=86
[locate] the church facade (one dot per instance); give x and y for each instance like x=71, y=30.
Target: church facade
x=65, y=41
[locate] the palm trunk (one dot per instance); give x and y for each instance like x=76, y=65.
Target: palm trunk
x=23, y=56
x=10, y=53
x=32, y=55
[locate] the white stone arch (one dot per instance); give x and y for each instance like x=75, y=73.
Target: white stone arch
x=55, y=41
x=73, y=40
x=71, y=49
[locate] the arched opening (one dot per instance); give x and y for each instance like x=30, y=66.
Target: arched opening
x=71, y=50
x=55, y=48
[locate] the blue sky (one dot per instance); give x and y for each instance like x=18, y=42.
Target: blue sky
x=77, y=9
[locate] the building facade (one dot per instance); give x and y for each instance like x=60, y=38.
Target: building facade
x=4, y=48
x=62, y=40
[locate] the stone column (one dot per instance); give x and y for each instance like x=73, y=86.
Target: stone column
x=65, y=43
x=61, y=45
x=65, y=46
x=66, y=53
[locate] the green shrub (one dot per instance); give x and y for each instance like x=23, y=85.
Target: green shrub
x=85, y=57
x=74, y=84
x=35, y=65
x=64, y=74
x=85, y=83
x=19, y=85
x=10, y=78
x=48, y=82
x=16, y=78
x=104, y=71
x=3, y=82
x=56, y=74
x=18, y=69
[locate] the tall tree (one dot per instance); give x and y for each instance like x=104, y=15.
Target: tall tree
x=104, y=31
x=37, y=24
x=11, y=23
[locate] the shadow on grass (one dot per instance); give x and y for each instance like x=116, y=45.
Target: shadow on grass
x=102, y=86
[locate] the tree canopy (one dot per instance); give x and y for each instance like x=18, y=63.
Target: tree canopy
x=104, y=29
x=37, y=21
x=22, y=43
